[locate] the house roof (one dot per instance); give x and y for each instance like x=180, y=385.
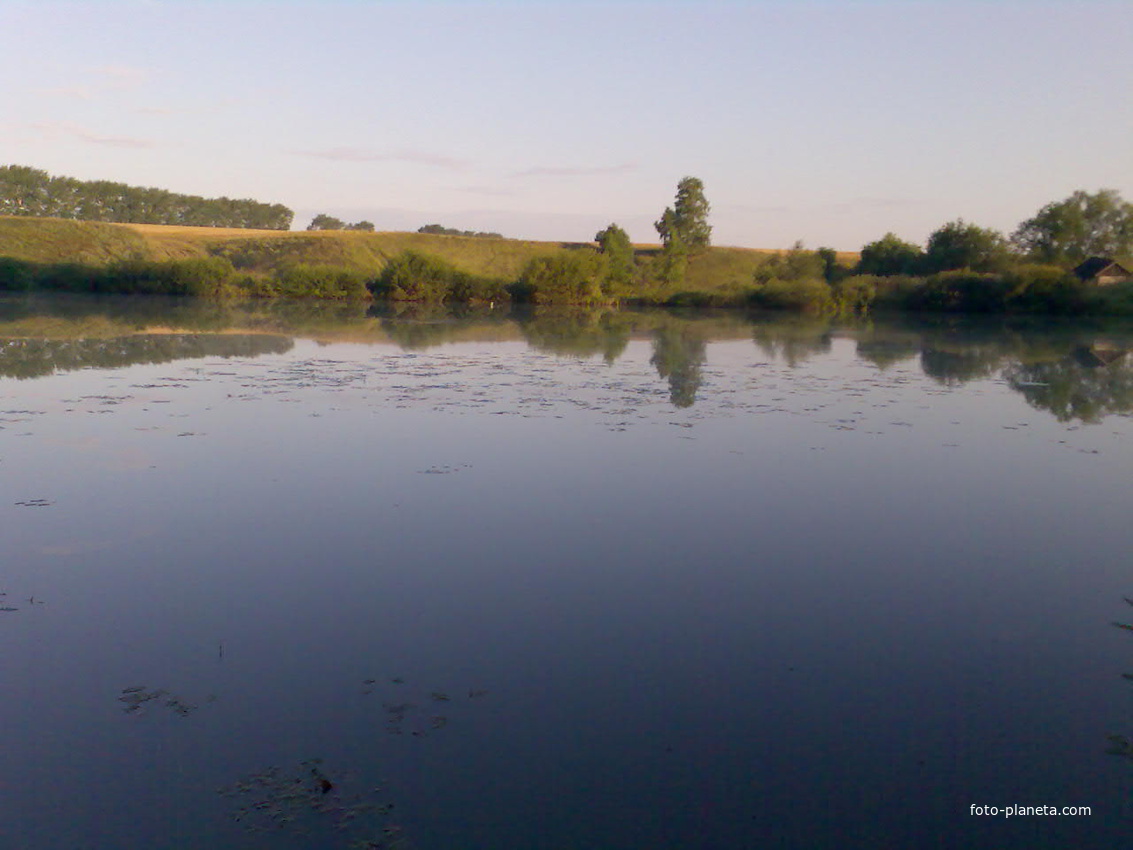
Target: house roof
x=1096, y=265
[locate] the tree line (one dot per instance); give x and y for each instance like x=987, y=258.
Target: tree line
x=440, y=230
x=328, y=222
x=962, y=267
x=31, y=192
x=967, y=268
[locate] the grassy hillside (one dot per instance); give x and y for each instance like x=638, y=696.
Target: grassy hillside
x=56, y=240
x=47, y=240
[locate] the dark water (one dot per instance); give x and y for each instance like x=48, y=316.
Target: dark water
x=299, y=577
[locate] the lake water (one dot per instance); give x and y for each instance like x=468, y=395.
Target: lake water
x=301, y=577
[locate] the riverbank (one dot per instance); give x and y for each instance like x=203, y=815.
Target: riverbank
x=43, y=254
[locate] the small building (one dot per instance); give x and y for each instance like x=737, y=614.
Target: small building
x=1102, y=271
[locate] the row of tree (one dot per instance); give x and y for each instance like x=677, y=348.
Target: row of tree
x=1062, y=233
x=31, y=192
x=328, y=222
x=440, y=230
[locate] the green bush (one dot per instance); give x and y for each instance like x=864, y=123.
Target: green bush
x=71, y=277
x=1116, y=300
x=897, y=292
x=15, y=276
x=562, y=279
x=321, y=281
x=810, y=295
x=209, y=277
x=411, y=276
x=1040, y=288
x=855, y=294
x=962, y=292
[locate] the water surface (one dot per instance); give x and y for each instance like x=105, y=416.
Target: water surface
x=290, y=577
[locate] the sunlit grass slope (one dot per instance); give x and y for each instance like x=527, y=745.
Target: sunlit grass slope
x=56, y=240
x=46, y=240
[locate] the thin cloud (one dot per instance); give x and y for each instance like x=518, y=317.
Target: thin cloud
x=75, y=131
x=558, y=171
x=882, y=203
x=761, y=209
x=364, y=155
x=100, y=79
x=121, y=76
x=77, y=92
x=494, y=191
x=153, y=110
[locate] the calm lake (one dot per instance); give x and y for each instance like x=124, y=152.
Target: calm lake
x=300, y=576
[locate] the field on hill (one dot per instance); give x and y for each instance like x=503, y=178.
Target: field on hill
x=719, y=270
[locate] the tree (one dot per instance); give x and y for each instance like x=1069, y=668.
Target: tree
x=1078, y=227
x=614, y=245
x=832, y=270
x=326, y=222
x=890, y=255
x=959, y=245
x=567, y=278
x=687, y=219
x=367, y=226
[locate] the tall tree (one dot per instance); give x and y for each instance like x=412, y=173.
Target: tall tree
x=687, y=219
x=326, y=222
x=1081, y=226
x=614, y=245
x=959, y=245
x=890, y=255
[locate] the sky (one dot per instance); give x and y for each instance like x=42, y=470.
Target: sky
x=832, y=123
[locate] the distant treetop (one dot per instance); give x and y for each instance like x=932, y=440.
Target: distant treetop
x=438, y=230
x=328, y=222
x=31, y=192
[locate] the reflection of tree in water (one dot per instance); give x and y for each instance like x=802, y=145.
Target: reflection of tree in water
x=417, y=335
x=1119, y=745
x=416, y=326
x=678, y=353
x=1080, y=386
x=961, y=365
x=794, y=340
x=886, y=347
x=32, y=358
x=577, y=333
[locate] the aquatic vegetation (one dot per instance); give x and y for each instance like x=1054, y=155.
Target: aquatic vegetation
x=409, y=717
x=307, y=798
x=137, y=696
x=1119, y=745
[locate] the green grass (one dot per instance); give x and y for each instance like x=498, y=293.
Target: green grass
x=55, y=240
x=718, y=271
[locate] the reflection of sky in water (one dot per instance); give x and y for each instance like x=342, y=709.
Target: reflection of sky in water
x=825, y=606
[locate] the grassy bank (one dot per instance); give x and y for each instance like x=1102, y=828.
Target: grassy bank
x=261, y=257
x=92, y=257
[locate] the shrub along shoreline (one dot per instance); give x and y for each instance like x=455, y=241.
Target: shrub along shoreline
x=575, y=279
x=63, y=256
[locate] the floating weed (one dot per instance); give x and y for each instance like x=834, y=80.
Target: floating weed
x=137, y=696
x=307, y=799
x=444, y=470
x=410, y=716
x=1119, y=745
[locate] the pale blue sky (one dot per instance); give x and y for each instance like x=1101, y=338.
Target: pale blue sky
x=830, y=122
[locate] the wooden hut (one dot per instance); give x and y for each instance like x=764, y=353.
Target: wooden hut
x=1103, y=271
